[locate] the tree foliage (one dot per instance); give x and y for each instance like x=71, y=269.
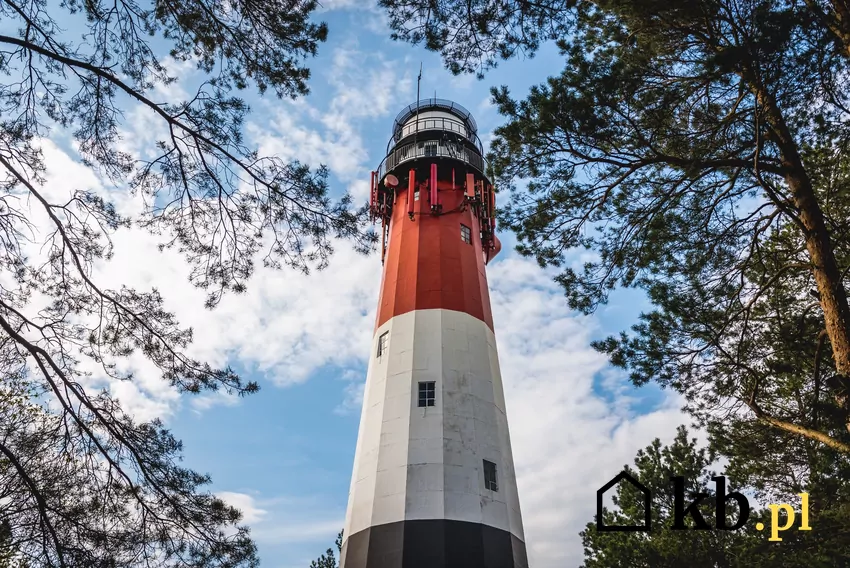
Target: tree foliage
x=69, y=503
x=822, y=547
x=834, y=15
x=328, y=559
x=474, y=36
x=81, y=482
x=6, y=551
x=690, y=148
x=662, y=548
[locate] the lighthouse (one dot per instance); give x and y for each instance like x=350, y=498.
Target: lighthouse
x=433, y=484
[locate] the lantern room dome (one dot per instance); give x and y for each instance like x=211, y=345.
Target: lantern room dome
x=434, y=128
x=433, y=108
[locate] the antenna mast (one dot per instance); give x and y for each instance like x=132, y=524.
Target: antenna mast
x=418, y=82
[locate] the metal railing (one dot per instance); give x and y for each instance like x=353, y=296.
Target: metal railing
x=441, y=124
x=431, y=148
x=432, y=124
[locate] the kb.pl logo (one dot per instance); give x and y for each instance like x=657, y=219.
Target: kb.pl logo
x=680, y=510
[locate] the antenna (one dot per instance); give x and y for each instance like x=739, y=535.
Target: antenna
x=418, y=82
x=416, y=133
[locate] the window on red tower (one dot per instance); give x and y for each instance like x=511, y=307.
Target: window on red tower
x=465, y=234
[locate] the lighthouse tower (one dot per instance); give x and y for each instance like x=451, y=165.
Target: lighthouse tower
x=434, y=483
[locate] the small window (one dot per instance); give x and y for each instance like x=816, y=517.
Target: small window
x=416, y=195
x=490, y=476
x=382, y=343
x=465, y=234
x=430, y=148
x=427, y=393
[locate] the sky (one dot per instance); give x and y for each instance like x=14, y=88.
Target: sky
x=284, y=456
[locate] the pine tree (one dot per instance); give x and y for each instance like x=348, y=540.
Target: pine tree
x=663, y=547
x=473, y=37
x=328, y=559
x=822, y=547
x=699, y=151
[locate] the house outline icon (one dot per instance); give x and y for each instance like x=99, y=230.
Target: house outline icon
x=647, y=505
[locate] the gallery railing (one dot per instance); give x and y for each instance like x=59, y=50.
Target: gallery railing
x=431, y=148
x=431, y=124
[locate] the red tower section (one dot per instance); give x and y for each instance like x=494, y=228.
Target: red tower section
x=430, y=194
x=424, y=267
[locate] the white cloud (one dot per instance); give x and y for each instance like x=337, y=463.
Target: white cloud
x=285, y=327
x=365, y=86
x=143, y=126
x=363, y=15
x=485, y=106
x=369, y=95
x=293, y=519
x=289, y=136
x=297, y=530
x=353, y=399
x=251, y=512
x=146, y=396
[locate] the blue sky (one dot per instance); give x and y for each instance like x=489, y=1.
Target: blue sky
x=285, y=454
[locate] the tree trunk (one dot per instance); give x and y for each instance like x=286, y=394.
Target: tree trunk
x=833, y=296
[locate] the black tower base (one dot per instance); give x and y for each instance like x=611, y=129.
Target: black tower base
x=434, y=543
